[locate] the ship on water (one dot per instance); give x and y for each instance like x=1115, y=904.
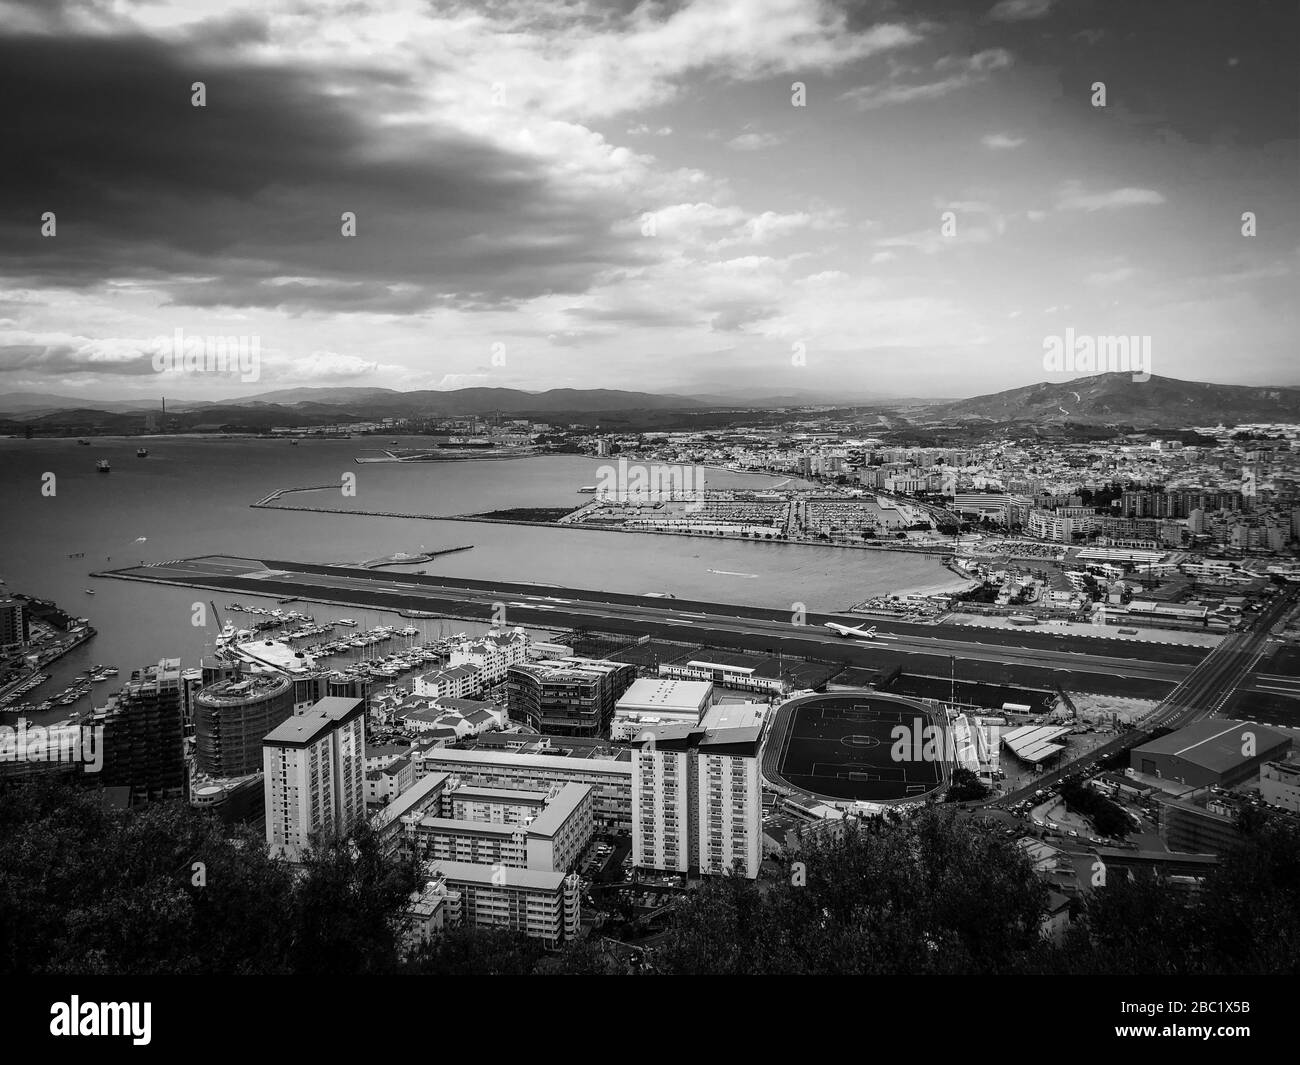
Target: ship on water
x=102, y=466
x=141, y=452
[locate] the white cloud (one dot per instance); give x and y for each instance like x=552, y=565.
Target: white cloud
x=959, y=73
x=750, y=142
x=1073, y=197
x=1001, y=141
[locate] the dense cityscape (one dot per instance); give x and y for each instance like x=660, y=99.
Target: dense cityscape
x=688, y=488
x=1104, y=679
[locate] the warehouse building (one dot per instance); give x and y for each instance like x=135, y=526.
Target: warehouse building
x=1214, y=753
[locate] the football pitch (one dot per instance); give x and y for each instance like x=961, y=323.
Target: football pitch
x=843, y=747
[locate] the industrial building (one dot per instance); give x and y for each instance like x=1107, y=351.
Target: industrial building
x=1214, y=753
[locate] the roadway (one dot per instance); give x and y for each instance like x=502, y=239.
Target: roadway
x=1201, y=694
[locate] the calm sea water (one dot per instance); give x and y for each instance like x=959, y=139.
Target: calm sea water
x=191, y=497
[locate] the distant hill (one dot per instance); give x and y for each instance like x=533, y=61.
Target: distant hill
x=46, y=402
x=1115, y=398
x=1111, y=399
x=467, y=400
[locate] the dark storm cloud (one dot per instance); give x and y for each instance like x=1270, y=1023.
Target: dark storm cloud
x=1205, y=71
x=210, y=203
x=59, y=359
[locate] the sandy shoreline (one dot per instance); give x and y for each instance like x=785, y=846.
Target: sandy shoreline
x=951, y=585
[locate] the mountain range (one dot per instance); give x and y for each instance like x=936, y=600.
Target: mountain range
x=1104, y=399
x=1117, y=399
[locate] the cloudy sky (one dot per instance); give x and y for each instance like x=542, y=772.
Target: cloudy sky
x=602, y=193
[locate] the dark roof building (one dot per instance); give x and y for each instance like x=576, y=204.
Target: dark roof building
x=1218, y=752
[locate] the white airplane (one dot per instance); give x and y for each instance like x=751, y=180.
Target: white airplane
x=848, y=630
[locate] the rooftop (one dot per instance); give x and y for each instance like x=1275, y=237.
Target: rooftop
x=1216, y=744
x=324, y=716
x=473, y=873
x=672, y=696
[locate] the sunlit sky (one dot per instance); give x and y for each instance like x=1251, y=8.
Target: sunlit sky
x=625, y=195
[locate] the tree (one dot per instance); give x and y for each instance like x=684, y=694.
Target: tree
x=966, y=786
x=87, y=889
x=926, y=895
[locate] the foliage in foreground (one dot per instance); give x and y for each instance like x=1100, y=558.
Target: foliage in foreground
x=85, y=889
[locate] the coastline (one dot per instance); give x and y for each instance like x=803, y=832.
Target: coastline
x=937, y=549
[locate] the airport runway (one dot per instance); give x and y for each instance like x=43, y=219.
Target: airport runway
x=923, y=649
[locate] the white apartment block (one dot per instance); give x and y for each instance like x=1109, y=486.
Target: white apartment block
x=697, y=801
x=545, y=906
x=455, y=682
x=432, y=910
x=383, y=785
x=1279, y=785
x=610, y=779
x=314, y=766
x=492, y=655
x=534, y=830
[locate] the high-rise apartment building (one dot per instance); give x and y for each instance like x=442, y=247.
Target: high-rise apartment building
x=232, y=717
x=144, y=734
x=14, y=623
x=697, y=801
x=314, y=766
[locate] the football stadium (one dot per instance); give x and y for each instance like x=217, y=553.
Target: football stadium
x=848, y=747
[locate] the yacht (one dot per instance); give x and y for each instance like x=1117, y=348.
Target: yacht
x=141, y=452
x=348, y=622
x=102, y=466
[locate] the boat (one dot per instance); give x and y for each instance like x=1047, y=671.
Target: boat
x=587, y=490
x=90, y=591
x=142, y=452
x=348, y=622
x=102, y=466
x=112, y=671
x=84, y=443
